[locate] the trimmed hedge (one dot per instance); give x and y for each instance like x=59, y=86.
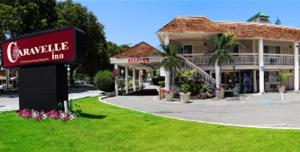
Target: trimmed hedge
x=104, y=80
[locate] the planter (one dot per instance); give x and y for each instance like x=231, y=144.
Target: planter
x=184, y=97
x=169, y=96
x=220, y=95
x=161, y=93
x=281, y=88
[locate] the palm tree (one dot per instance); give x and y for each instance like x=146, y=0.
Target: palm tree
x=219, y=53
x=170, y=62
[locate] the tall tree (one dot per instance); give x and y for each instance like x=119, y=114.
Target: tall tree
x=219, y=53
x=113, y=49
x=19, y=17
x=278, y=21
x=170, y=62
x=94, y=56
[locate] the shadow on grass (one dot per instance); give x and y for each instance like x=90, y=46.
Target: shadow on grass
x=91, y=116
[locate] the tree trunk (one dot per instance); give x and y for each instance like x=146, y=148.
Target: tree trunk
x=91, y=79
x=7, y=78
x=217, y=73
x=173, y=79
x=71, y=79
x=167, y=79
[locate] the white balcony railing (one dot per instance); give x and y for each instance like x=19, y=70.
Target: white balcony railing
x=278, y=59
x=244, y=59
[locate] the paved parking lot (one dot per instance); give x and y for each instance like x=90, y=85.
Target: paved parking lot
x=268, y=110
x=11, y=102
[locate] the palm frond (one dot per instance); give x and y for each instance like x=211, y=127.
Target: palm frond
x=221, y=44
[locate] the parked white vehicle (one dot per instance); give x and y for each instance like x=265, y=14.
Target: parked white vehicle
x=3, y=87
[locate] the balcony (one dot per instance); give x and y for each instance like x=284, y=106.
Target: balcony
x=244, y=59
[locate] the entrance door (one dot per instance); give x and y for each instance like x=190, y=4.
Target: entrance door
x=247, y=82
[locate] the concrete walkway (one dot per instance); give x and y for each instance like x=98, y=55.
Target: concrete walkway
x=11, y=102
x=264, y=111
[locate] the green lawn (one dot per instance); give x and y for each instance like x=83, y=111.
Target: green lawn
x=103, y=127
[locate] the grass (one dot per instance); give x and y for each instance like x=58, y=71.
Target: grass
x=107, y=128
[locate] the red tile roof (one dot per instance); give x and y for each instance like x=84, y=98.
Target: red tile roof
x=142, y=49
x=240, y=29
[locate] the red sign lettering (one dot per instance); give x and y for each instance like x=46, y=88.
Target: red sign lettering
x=56, y=46
x=138, y=60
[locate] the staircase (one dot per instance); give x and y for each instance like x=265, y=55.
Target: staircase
x=201, y=74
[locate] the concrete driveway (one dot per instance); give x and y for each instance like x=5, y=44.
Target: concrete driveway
x=265, y=111
x=11, y=102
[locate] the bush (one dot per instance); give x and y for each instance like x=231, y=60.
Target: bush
x=185, y=88
x=121, y=83
x=161, y=83
x=104, y=80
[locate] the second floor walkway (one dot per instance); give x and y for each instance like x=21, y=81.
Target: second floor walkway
x=243, y=59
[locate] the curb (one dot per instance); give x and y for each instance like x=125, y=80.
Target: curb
x=200, y=121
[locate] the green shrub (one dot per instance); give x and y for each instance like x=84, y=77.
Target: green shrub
x=121, y=83
x=185, y=88
x=104, y=80
x=282, y=76
x=161, y=83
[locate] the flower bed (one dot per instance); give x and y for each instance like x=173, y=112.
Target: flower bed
x=41, y=115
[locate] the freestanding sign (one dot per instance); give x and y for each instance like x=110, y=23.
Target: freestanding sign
x=41, y=58
x=44, y=48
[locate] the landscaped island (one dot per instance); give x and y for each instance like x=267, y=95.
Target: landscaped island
x=102, y=127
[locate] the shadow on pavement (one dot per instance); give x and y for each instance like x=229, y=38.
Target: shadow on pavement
x=80, y=89
x=146, y=92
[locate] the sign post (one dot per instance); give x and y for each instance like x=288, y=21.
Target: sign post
x=41, y=59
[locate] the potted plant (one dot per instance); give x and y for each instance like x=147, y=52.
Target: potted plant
x=161, y=92
x=220, y=92
x=161, y=89
x=281, y=78
x=185, y=94
x=168, y=95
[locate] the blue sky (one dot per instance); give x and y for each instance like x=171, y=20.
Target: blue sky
x=129, y=22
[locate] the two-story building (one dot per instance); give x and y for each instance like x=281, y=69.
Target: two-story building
x=261, y=50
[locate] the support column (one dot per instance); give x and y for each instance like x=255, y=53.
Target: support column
x=167, y=73
x=140, y=80
x=218, y=75
x=166, y=40
x=254, y=81
x=261, y=66
x=296, y=66
x=116, y=81
x=126, y=78
x=133, y=79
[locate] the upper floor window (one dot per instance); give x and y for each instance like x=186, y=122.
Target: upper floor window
x=272, y=49
x=234, y=49
x=185, y=49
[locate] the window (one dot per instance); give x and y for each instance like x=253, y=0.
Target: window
x=185, y=49
x=234, y=49
x=272, y=49
x=266, y=48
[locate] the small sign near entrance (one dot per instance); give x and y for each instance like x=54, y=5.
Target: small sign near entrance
x=138, y=60
x=262, y=68
x=55, y=46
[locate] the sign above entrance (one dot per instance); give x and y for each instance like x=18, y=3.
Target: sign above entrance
x=138, y=60
x=57, y=46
